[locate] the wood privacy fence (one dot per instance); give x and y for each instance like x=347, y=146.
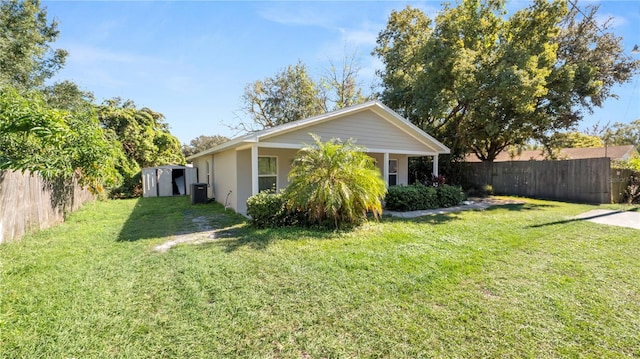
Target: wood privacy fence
x=584, y=181
x=27, y=202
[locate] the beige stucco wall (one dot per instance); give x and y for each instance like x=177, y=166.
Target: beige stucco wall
x=225, y=178
x=243, y=164
x=201, y=164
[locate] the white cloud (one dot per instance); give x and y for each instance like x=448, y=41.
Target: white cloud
x=286, y=14
x=359, y=37
x=614, y=21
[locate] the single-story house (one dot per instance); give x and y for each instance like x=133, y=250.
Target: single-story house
x=170, y=180
x=248, y=164
x=615, y=153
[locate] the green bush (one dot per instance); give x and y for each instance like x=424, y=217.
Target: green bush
x=419, y=197
x=269, y=210
x=449, y=196
x=411, y=198
x=632, y=192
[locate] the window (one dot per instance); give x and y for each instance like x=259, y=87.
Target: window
x=267, y=173
x=393, y=172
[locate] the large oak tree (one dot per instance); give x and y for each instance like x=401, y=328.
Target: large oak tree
x=481, y=80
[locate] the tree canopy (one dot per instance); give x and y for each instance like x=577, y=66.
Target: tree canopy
x=59, y=144
x=202, y=143
x=289, y=95
x=482, y=81
x=292, y=94
x=26, y=56
x=623, y=134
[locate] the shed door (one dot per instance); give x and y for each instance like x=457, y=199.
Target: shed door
x=165, y=184
x=149, y=182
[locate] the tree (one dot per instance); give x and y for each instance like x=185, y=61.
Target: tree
x=293, y=94
x=574, y=139
x=144, y=135
x=58, y=144
x=202, y=143
x=340, y=86
x=26, y=56
x=623, y=134
x=486, y=82
x=67, y=95
x=334, y=183
x=399, y=47
x=144, y=138
x=288, y=96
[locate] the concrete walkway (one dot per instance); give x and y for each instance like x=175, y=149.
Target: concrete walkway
x=611, y=217
x=466, y=205
x=628, y=219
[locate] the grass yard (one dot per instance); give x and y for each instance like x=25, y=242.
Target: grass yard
x=513, y=281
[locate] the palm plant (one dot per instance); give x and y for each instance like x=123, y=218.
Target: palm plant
x=335, y=182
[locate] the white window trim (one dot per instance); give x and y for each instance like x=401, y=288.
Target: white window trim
x=270, y=175
x=393, y=173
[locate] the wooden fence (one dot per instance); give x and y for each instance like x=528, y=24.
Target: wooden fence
x=583, y=181
x=27, y=203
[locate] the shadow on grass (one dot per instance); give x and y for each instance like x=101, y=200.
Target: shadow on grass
x=435, y=218
x=260, y=239
x=443, y=215
x=578, y=219
x=519, y=206
x=167, y=216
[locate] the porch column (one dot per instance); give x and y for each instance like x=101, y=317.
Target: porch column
x=254, y=169
x=385, y=169
x=435, y=165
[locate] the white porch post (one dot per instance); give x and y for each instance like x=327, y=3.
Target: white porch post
x=385, y=169
x=435, y=165
x=254, y=169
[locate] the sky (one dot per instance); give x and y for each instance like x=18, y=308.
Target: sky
x=191, y=60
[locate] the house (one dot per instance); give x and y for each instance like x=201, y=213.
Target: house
x=615, y=153
x=163, y=181
x=248, y=164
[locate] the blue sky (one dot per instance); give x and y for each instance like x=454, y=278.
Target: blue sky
x=192, y=60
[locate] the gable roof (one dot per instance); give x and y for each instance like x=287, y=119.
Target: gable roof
x=376, y=106
x=613, y=152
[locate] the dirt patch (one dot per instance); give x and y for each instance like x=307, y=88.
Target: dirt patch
x=201, y=231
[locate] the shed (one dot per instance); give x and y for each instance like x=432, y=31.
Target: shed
x=164, y=181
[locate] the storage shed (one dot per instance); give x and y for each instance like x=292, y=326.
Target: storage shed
x=164, y=181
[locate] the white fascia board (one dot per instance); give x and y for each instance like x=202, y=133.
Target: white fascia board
x=401, y=152
x=280, y=145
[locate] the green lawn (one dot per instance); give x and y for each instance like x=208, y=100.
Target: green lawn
x=514, y=281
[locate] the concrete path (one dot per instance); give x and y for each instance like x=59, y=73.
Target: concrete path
x=466, y=205
x=612, y=218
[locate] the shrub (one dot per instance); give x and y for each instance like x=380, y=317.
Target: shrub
x=334, y=184
x=419, y=197
x=449, y=196
x=268, y=210
x=632, y=192
x=411, y=198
